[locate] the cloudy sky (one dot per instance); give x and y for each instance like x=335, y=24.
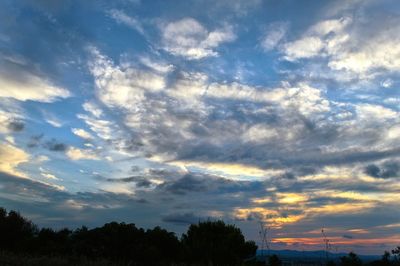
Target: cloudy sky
x=170, y=112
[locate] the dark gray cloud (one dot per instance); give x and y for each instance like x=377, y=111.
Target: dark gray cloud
x=16, y=126
x=186, y=184
x=54, y=145
x=191, y=183
x=58, y=208
x=182, y=218
x=140, y=182
x=385, y=170
x=35, y=141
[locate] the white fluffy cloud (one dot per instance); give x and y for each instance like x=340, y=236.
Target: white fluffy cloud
x=190, y=87
x=323, y=38
x=25, y=86
x=82, y=133
x=188, y=38
x=345, y=44
x=303, y=48
x=93, y=109
x=373, y=112
x=11, y=157
x=380, y=52
x=81, y=154
x=122, y=87
x=102, y=128
x=303, y=97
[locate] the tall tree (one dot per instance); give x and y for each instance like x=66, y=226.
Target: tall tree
x=215, y=243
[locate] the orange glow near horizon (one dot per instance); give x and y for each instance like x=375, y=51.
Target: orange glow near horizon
x=340, y=241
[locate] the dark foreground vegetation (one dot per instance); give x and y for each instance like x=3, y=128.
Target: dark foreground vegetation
x=388, y=259
x=352, y=259
x=205, y=243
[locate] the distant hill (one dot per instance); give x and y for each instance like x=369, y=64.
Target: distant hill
x=312, y=255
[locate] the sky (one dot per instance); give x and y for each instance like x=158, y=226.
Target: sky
x=282, y=113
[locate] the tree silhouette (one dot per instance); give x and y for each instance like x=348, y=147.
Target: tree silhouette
x=396, y=255
x=163, y=247
x=16, y=232
x=215, y=243
x=351, y=260
x=53, y=242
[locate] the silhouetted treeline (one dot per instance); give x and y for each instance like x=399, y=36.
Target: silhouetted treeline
x=205, y=243
x=388, y=259
x=352, y=259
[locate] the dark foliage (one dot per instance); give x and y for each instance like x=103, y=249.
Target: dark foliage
x=16, y=232
x=216, y=243
x=388, y=259
x=206, y=243
x=396, y=256
x=274, y=261
x=331, y=263
x=351, y=260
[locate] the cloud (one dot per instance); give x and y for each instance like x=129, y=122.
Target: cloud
x=322, y=39
x=352, y=45
x=12, y=157
x=11, y=116
x=185, y=184
x=188, y=38
x=34, y=141
x=93, y=109
x=82, y=133
x=18, y=83
x=16, y=126
x=370, y=56
x=122, y=87
x=53, y=145
x=182, y=218
x=121, y=17
x=158, y=66
x=235, y=124
x=386, y=170
x=49, y=176
x=375, y=111
x=52, y=119
x=274, y=35
x=303, y=97
x=81, y=154
x=239, y=8
x=303, y=48
x=139, y=181
x=102, y=128
x=387, y=83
